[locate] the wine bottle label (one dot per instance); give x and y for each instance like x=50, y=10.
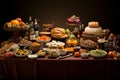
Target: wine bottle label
x=32, y=37
x=36, y=33
x=26, y=37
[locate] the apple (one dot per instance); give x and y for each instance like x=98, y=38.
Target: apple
x=77, y=20
x=19, y=19
x=9, y=54
x=69, y=20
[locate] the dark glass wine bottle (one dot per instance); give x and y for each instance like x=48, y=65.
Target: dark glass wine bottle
x=36, y=28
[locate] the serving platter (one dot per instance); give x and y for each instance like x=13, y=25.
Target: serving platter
x=98, y=53
x=25, y=53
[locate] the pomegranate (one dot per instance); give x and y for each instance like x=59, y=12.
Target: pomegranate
x=9, y=54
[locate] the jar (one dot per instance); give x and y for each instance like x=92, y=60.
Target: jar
x=77, y=48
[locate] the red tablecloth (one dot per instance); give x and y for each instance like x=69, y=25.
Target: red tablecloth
x=59, y=69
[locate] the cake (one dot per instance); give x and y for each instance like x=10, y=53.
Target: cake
x=93, y=28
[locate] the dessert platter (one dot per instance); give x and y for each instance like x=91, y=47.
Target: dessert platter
x=57, y=42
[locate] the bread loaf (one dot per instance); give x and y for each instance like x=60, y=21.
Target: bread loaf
x=58, y=32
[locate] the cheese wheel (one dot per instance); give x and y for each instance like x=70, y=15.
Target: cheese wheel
x=95, y=31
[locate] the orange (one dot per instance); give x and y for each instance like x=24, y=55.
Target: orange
x=14, y=22
x=111, y=53
x=111, y=35
x=69, y=41
x=74, y=42
x=77, y=54
x=22, y=23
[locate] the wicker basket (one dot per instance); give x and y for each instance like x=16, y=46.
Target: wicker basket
x=35, y=48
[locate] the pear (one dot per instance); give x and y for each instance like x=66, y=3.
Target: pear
x=72, y=36
x=68, y=31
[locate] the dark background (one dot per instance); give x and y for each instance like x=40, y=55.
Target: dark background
x=106, y=12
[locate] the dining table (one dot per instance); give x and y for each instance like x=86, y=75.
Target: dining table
x=69, y=68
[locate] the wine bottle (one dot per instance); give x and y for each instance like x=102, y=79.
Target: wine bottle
x=29, y=21
x=27, y=33
x=32, y=32
x=36, y=28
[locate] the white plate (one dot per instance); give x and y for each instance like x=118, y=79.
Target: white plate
x=98, y=53
x=32, y=56
x=17, y=55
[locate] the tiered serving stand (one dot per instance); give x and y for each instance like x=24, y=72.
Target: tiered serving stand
x=16, y=37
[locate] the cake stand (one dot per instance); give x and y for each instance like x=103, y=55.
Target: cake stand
x=74, y=26
x=15, y=36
